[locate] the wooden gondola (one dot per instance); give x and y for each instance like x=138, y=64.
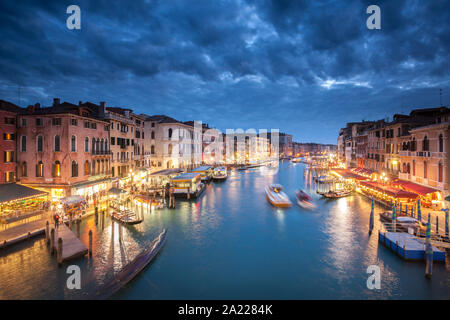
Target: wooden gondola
x=336, y=194
x=132, y=269
x=126, y=217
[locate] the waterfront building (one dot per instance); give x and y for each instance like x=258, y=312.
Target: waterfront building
x=8, y=137
x=247, y=147
x=63, y=149
x=424, y=158
x=285, y=147
x=173, y=144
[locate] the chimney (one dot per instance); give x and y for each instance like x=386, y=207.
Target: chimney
x=127, y=113
x=56, y=102
x=80, y=103
x=102, y=109
x=37, y=105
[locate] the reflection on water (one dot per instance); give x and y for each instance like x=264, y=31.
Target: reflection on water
x=231, y=243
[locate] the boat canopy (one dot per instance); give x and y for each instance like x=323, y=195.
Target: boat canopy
x=186, y=176
x=202, y=168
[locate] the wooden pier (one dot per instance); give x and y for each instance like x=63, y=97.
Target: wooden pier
x=407, y=246
x=72, y=247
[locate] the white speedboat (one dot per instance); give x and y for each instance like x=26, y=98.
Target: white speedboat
x=220, y=174
x=276, y=196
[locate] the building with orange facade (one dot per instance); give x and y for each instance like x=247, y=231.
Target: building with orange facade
x=8, y=136
x=64, y=150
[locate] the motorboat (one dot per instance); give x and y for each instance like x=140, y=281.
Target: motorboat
x=220, y=174
x=276, y=196
x=304, y=200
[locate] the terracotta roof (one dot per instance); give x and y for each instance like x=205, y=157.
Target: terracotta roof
x=9, y=106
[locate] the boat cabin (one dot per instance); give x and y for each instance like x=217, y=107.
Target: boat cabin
x=189, y=182
x=205, y=172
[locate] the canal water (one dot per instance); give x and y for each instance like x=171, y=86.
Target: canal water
x=232, y=244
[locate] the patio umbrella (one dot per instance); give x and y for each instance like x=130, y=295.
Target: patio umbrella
x=371, y=218
x=428, y=253
x=419, y=213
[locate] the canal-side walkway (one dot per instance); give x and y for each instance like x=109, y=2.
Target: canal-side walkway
x=23, y=231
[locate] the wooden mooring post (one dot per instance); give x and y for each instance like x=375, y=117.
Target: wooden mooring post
x=96, y=216
x=78, y=229
x=52, y=241
x=60, y=251
x=90, y=242
x=47, y=233
x=103, y=219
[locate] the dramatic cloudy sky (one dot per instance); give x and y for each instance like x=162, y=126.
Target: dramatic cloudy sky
x=305, y=67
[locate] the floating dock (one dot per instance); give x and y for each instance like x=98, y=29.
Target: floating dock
x=407, y=246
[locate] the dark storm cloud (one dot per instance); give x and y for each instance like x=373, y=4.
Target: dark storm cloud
x=305, y=67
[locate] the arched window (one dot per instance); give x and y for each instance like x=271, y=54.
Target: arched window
x=24, y=169
x=40, y=169
x=106, y=145
x=93, y=167
x=57, y=143
x=86, y=144
x=97, y=145
x=87, y=167
x=101, y=146
x=441, y=143
x=152, y=149
x=414, y=167
x=425, y=170
x=169, y=151
x=73, y=144
x=93, y=146
x=170, y=133
x=408, y=168
x=56, y=169
x=153, y=135
x=425, y=144
x=404, y=167
x=40, y=143
x=440, y=172
x=23, y=144
x=413, y=145
x=74, y=169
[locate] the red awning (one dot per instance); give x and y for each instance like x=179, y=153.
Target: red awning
x=347, y=174
x=413, y=187
x=393, y=192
